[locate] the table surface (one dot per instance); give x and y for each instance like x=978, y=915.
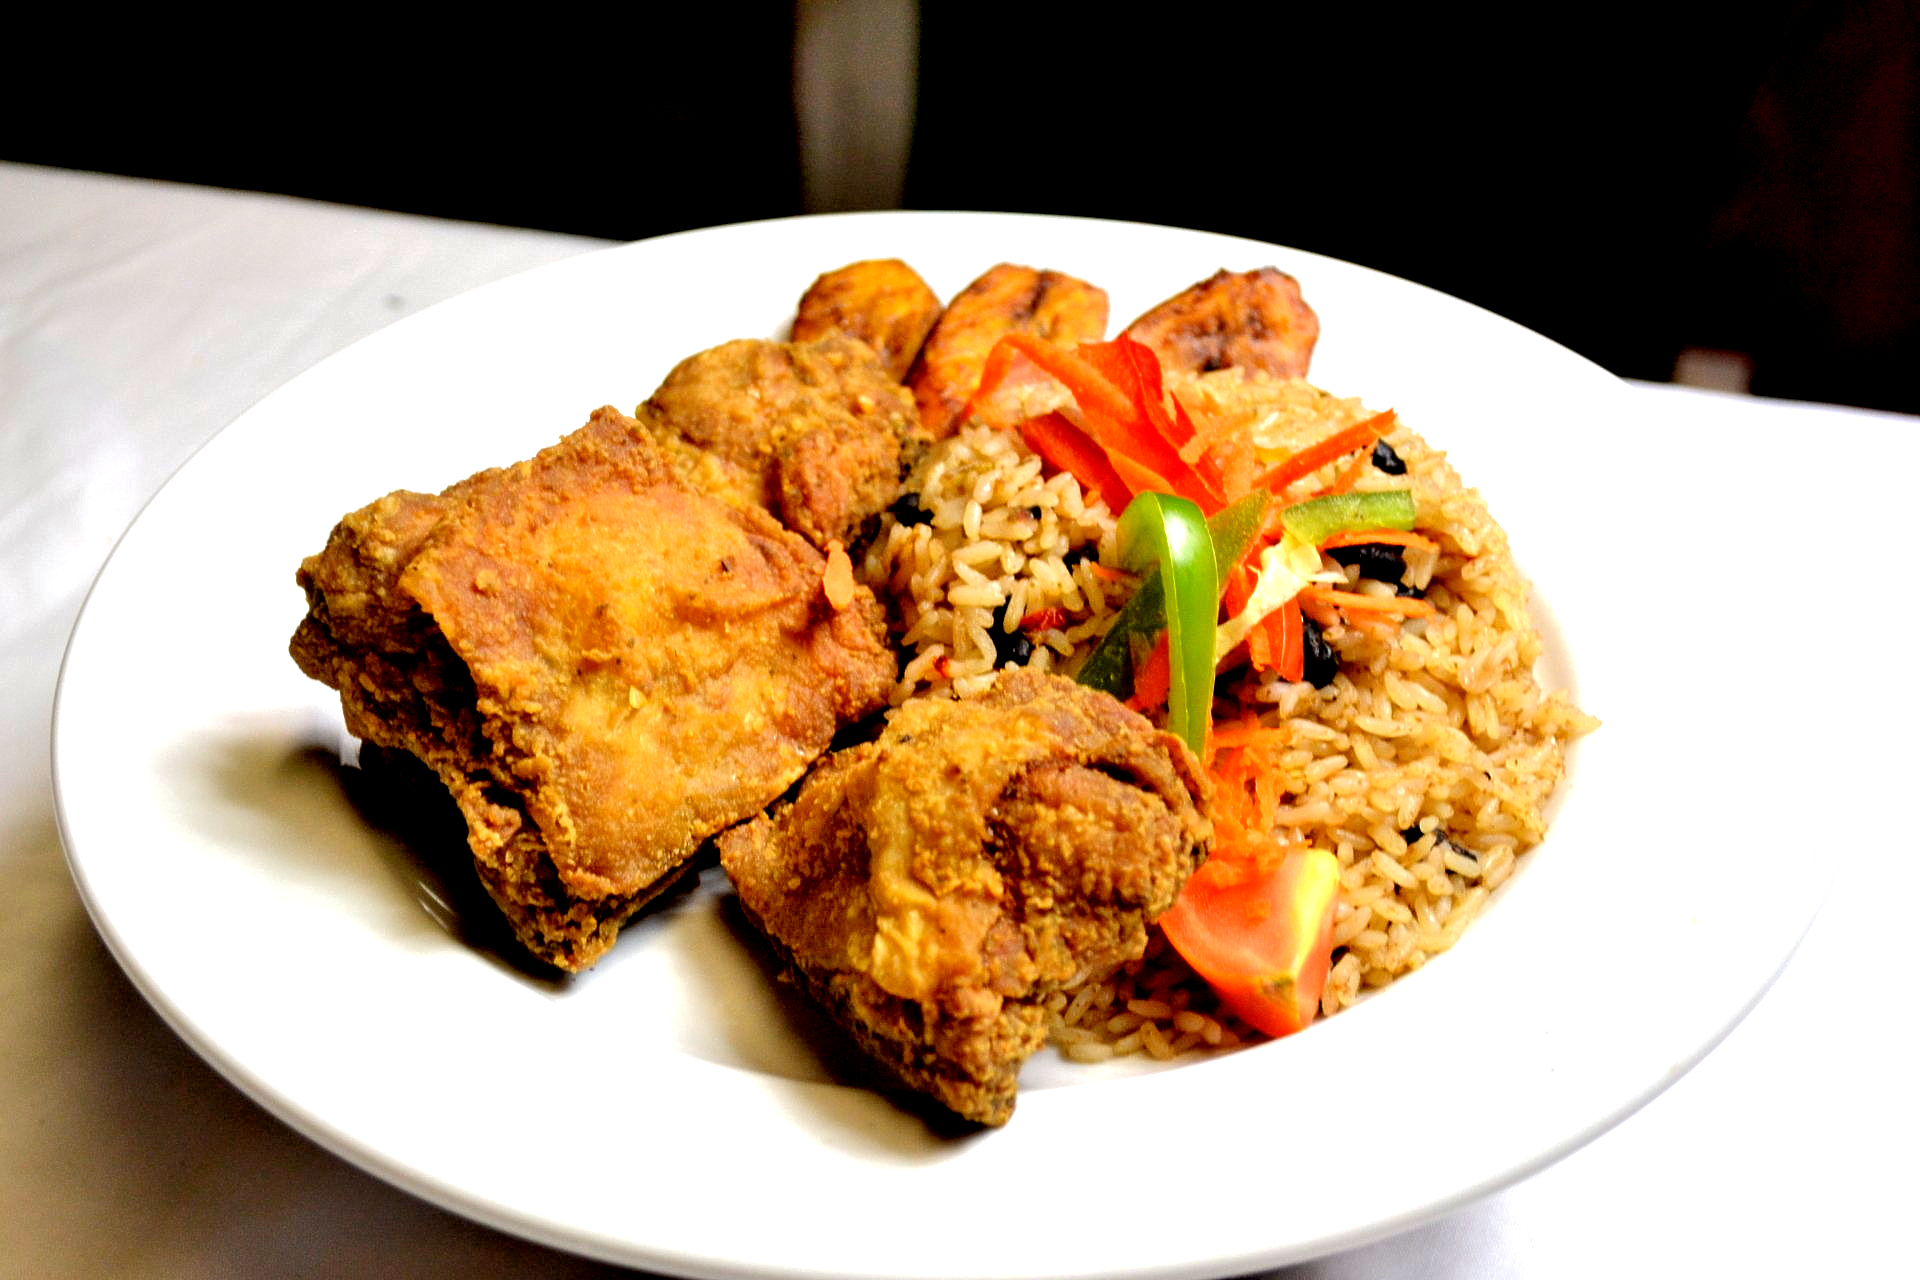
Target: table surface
x=138, y=318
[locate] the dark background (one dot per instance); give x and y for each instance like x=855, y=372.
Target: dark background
x=1633, y=182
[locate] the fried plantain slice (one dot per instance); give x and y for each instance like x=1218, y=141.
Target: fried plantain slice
x=1239, y=319
x=881, y=301
x=1007, y=299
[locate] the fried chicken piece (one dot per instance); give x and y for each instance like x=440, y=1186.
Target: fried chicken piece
x=881, y=301
x=812, y=431
x=933, y=887
x=1007, y=299
x=1245, y=319
x=604, y=666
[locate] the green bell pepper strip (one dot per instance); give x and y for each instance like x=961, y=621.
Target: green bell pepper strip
x=1167, y=532
x=1170, y=533
x=1317, y=519
x=1234, y=528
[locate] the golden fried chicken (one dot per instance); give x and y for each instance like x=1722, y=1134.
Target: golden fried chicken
x=604, y=666
x=1244, y=320
x=881, y=301
x=932, y=887
x=812, y=431
x=1007, y=299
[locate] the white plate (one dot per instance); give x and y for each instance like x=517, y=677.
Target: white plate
x=663, y=1111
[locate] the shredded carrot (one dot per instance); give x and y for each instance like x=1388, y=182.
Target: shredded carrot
x=1247, y=732
x=1322, y=612
x=1249, y=788
x=1355, y=602
x=1051, y=618
x=1388, y=537
x=1110, y=574
x=1315, y=456
x=1268, y=792
x=1344, y=482
x=838, y=576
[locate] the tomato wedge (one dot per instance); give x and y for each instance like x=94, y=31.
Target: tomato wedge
x=1258, y=926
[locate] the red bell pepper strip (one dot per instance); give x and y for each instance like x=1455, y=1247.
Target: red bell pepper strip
x=1239, y=588
x=1048, y=617
x=1154, y=680
x=1091, y=390
x=1119, y=421
x=1066, y=447
x=1140, y=478
x=1133, y=367
x=1135, y=370
x=1286, y=632
x=1278, y=643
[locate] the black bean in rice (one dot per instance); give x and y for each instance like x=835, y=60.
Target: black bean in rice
x=1003, y=542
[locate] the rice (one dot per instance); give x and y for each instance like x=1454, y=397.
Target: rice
x=1424, y=766
x=1000, y=543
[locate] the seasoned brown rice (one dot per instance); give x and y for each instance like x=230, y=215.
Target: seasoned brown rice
x=999, y=539
x=1424, y=767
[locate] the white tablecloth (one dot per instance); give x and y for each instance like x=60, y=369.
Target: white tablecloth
x=138, y=318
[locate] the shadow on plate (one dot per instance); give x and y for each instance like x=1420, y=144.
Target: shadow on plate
x=285, y=799
x=426, y=850
x=736, y=1006
x=836, y=1058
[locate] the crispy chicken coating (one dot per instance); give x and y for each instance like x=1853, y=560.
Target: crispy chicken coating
x=1244, y=320
x=604, y=666
x=881, y=301
x=1007, y=299
x=933, y=887
x=817, y=432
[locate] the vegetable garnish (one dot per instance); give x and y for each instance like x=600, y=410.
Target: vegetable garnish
x=1153, y=681
x=1256, y=920
x=1361, y=435
x=1287, y=568
x=1390, y=537
x=1133, y=367
x=1318, y=519
x=1049, y=617
x=1066, y=447
x=837, y=579
x=1278, y=643
x=1349, y=475
x=1234, y=529
x=1118, y=390
x=1369, y=607
x=1171, y=534
x=1259, y=928
x=1111, y=665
